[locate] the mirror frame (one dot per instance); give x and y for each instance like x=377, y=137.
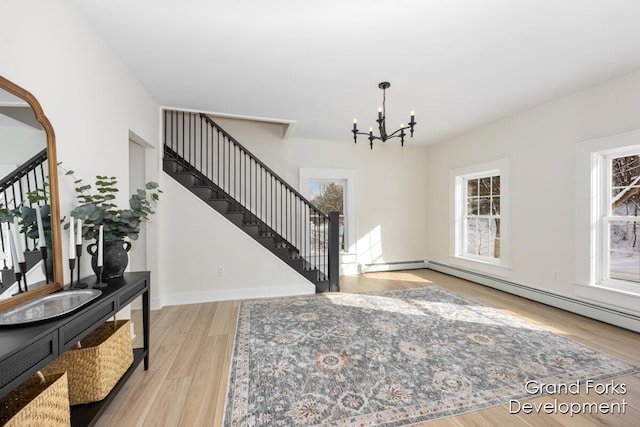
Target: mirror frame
x=54, y=202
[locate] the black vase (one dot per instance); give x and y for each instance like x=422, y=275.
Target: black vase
x=115, y=258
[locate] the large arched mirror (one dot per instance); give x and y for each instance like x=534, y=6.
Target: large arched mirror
x=30, y=240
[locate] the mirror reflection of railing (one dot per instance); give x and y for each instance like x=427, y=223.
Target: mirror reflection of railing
x=19, y=142
x=24, y=197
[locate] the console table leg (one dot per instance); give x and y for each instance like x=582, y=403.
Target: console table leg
x=145, y=327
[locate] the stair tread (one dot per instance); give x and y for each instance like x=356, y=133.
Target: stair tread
x=241, y=217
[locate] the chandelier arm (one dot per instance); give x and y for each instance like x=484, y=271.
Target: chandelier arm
x=368, y=135
x=393, y=135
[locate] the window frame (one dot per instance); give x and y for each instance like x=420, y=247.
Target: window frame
x=348, y=176
x=591, y=186
x=602, y=161
x=458, y=183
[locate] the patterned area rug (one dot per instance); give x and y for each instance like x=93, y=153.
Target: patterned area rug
x=391, y=358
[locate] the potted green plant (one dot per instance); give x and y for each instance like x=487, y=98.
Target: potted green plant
x=97, y=209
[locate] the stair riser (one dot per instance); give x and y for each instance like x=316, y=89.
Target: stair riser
x=242, y=218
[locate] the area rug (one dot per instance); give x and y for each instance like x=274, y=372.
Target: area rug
x=392, y=358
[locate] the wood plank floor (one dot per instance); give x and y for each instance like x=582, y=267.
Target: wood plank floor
x=191, y=348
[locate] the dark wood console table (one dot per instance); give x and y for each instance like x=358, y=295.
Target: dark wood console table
x=26, y=349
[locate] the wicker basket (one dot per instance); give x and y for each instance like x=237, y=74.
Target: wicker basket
x=95, y=367
x=39, y=401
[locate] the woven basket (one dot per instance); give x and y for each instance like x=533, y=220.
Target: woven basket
x=95, y=367
x=39, y=401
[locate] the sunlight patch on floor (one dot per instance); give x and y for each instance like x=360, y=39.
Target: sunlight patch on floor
x=446, y=310
x=396, y=275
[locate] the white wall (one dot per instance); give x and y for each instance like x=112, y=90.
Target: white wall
x=90, y=97
x=389, y=179
x=198, y=242
x=18, y=143
x=391, y=199
x=540, y=145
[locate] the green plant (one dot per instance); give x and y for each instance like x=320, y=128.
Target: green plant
x=27, y=214
x=5, y=214
x=97, y=208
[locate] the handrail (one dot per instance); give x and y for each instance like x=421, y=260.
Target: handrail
x=14, y=191
x=24, y=169
x=267, y=168
x=217, y=160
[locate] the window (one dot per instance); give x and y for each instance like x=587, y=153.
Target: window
x=619, y=253
x=481, y=218
x=328, y=196
x=479, y=225
x=607, y=204
x=333, y=190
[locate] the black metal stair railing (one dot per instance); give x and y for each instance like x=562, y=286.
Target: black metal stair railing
x=29, y=177
x=195, y=139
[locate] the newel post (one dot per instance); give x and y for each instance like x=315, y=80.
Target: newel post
x=334, y=251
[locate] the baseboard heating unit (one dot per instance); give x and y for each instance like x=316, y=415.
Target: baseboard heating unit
x=584, y=308
x=392, y=266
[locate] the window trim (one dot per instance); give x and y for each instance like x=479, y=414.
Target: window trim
x=495, y=266
x=349, y=177
x=605, y=217
x=589, y=232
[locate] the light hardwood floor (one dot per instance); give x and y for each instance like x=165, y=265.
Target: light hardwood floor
x=191, y=347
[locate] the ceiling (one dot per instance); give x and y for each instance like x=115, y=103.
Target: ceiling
x=457, y=63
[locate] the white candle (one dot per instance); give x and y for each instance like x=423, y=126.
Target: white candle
x=72, y=241
x=41, y=240
x=12, y=249
x=100, y=245
x=18, y=237
x=79, y=233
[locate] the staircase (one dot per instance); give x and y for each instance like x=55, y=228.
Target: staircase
x=212, y=165
x=20, y=191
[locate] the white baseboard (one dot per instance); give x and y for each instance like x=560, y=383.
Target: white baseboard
x=392, y=266
x=584, y=308
x=233, y=294
x=349, y=269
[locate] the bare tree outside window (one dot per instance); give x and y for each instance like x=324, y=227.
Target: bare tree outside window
x=623, y=219
x=482, y=216
x=328, y=196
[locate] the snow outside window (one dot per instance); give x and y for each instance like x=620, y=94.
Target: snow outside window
x=607, y=220
x=479, y=227
x=619, y=249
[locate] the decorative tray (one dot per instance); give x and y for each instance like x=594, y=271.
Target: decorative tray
x=48, y=307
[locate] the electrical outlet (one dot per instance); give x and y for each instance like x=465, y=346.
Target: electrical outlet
x=556, y=275
x=220, y=271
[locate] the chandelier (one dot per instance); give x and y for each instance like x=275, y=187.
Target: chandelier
x=382, y=125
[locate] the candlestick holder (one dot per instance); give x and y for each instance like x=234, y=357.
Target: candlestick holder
x=72, y=267
x=79, y=284
x=23, y=270
x=45, y=254
x=18, y=277
x=99, y=282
